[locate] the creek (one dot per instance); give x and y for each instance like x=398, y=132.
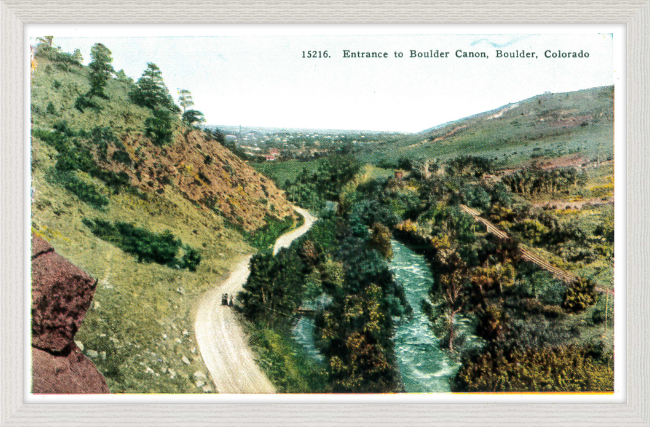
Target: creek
x=424, y=366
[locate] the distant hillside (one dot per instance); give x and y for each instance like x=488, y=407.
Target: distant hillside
x=545, y=126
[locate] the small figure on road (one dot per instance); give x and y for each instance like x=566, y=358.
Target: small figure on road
x=231, y=301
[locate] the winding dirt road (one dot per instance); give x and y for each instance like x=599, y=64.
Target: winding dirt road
x=221, y=339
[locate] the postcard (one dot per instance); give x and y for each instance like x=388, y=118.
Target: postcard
x=251, y=212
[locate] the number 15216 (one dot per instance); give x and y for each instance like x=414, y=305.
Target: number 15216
x=315, y=54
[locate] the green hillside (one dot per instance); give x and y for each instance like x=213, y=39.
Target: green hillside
x=155, y=209
x=545, y=126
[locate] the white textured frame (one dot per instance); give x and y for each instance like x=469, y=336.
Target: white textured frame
x=15, y=13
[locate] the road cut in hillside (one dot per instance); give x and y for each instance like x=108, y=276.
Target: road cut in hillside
x=221, y=339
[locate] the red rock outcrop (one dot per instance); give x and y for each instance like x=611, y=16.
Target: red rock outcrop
x=73, y=373
x=61, y=295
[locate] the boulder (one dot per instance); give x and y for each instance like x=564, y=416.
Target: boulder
x=70, y=373
x=61, y=295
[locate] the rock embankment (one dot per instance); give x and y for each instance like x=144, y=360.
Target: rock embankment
x=61, y=295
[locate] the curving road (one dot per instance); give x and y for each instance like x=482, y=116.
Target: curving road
x=221, y=339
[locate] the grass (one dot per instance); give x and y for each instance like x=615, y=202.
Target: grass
x=117, y=113
x=140, y=324
x=284, y=361
x=371, y=172
x=280, y=172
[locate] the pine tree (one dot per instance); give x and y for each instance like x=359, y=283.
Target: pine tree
x=151, y=92
x=77, y=56
x=48, y=40
x=190, y=117
x=185, y=99
x=159, y=127
x=100, y=70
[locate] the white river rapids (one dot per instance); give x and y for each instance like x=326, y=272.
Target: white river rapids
x=424, y=367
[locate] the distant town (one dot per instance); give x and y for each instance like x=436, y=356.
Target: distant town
x=269, y=144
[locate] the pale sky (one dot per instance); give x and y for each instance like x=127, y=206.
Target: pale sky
x=264, y=81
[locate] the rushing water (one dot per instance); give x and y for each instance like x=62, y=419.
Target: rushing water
x=425, y=368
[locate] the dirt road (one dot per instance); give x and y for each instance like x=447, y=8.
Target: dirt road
x=221, y=339
x=285, y=240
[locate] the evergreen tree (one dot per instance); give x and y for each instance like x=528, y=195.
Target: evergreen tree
x=185, y=99
x=159, y=127
x=191, y=117
x=100, y=70
x=151, y=92
x=77, y=56
x=48, y=40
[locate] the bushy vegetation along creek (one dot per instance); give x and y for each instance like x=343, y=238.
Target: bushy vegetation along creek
x=458, y=309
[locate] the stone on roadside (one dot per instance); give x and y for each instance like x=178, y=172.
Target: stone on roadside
x=92, y=354
x=79, y=345
x=185, y=360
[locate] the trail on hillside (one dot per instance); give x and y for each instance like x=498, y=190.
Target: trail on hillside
x=527, y=254
x=221, y=339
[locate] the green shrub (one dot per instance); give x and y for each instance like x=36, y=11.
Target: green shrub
x=191, y=258
x=543, y=286
x=122, y=156
x=580, y=295
x=602, y=312
x=284, y=362
x=161, y=248
x=84, y=102
x=73, y=155
x=265, y=237
x=87, y=193
x=159, y=128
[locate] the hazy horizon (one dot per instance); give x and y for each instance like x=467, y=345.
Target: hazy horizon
x=330, y=130
x=263, y=81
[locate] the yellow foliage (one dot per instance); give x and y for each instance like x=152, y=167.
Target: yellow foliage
x=441, y=242
x=407, y=226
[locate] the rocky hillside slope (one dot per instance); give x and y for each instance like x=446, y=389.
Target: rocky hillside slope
x=194, y=164
x=116, y=204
